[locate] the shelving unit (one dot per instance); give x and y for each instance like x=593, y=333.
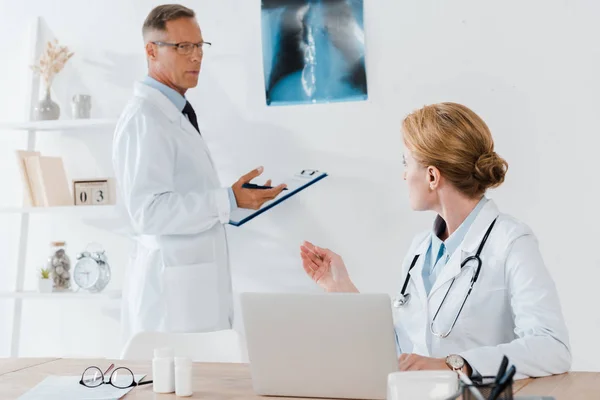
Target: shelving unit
x=33, y=128
x=84, y=211
x=103, y=296
x=58, y=125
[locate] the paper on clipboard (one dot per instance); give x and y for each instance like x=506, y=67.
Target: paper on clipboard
x=295, y=184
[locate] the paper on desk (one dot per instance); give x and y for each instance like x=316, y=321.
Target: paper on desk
x=68, y=387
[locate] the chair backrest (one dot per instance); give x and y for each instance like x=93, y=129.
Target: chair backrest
x=219, y=346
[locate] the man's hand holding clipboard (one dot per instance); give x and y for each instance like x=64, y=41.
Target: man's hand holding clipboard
x=291, y=186
x=250, y=196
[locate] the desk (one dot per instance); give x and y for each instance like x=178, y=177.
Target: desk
x=15, y=364
x=571, y=386
x=232, y=381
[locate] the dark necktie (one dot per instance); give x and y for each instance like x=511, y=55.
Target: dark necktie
x=188, y=110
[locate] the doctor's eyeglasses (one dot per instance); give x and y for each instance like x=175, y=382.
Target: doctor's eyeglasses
x=121, y=378
x=185, y=48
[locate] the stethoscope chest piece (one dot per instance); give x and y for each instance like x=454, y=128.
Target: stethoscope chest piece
x=402, y=300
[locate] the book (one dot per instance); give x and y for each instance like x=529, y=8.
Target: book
x=48, y=180
x=27, y=190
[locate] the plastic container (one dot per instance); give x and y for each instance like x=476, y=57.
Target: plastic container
x=59, y=265
x=183, y=376
x=422, y=385
x=486, y=389
x=163, y=371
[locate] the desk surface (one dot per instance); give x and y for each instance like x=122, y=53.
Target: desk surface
x=232, y=381
x=15, y=364
x=572, y=386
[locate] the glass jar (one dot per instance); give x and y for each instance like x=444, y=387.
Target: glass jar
x=60, y=266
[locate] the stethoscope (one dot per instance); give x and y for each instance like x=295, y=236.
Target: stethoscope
x=403, y=298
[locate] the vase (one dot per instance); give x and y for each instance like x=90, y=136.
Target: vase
x=47, y=109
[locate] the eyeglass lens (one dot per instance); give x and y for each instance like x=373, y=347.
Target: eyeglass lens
x=92, y=377
x=122, y=378
x=188, y=48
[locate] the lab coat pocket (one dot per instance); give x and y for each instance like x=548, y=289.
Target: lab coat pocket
x=409, y=321
x=487, y=320
x=191, y=297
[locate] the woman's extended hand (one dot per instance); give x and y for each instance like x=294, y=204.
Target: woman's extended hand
x=326, y=268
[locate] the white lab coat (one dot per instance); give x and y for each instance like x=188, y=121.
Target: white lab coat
x=178, y=278
x=513, y=309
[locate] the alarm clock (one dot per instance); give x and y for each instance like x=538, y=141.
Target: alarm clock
x=91, y=271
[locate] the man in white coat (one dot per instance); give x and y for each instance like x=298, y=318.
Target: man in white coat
x=179, y=278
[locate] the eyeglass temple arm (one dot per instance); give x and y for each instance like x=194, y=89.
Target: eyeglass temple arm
x=143, y=383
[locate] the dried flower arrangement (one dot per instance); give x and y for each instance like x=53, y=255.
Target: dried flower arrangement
x=51, y=62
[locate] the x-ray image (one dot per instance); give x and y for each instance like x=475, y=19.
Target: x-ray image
x=313, y=51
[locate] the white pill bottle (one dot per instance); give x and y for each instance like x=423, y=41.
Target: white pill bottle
x=183, y=376
x=163, y=370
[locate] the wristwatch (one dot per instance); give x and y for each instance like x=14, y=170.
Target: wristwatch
x=455, y=362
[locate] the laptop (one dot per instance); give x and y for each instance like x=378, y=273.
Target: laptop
x=332, y=345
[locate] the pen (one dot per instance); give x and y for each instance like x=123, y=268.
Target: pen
x=253, y=186
x=504, y=382
x=476, y=393
x=502, y=370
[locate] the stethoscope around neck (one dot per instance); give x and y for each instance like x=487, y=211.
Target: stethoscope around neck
x=403, y=298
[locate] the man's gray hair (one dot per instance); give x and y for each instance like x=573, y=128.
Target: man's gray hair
x=160, y=15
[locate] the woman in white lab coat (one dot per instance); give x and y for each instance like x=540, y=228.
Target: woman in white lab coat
x=513, y=308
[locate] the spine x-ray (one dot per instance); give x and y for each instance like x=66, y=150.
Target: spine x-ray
x=313, y=51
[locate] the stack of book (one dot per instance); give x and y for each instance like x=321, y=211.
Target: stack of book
x=45, y=182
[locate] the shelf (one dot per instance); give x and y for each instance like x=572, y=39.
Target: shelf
x=59, y=125
x=82, y=295
x=88, y=211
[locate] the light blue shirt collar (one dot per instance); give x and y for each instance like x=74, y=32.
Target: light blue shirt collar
x=172, y=94
x=439, y=252
x=453, y=241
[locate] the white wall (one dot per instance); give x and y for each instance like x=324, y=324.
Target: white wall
x=530, y=69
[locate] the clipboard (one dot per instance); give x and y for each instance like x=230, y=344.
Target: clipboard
x=296, y=184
